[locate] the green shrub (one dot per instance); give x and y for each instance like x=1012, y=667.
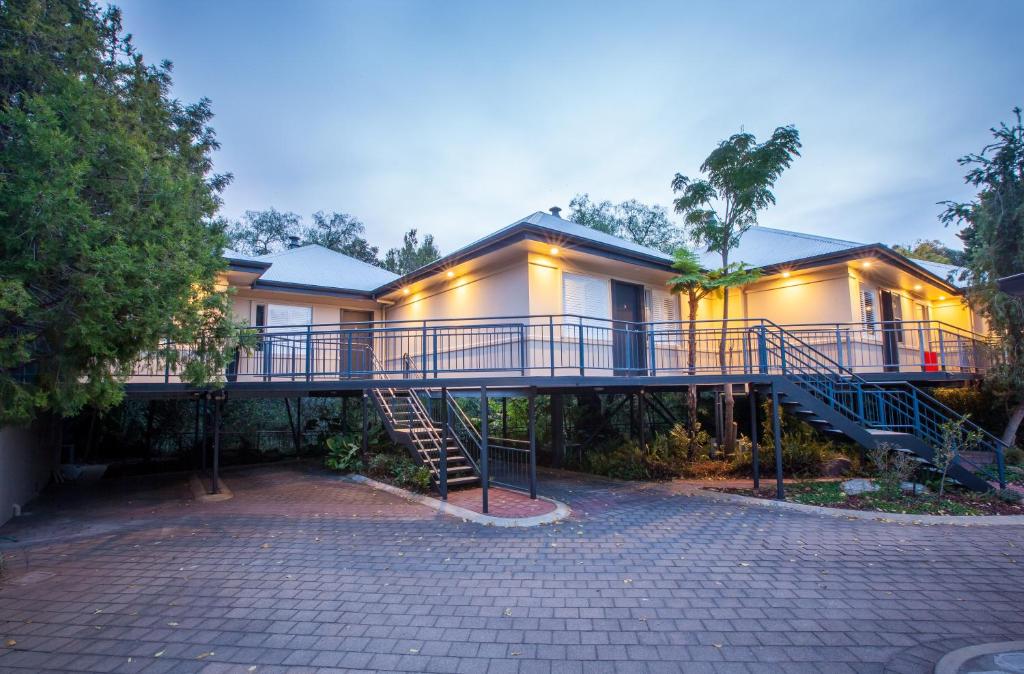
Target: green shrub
x=342, y=455
x=1015, y=456
x=400, y=471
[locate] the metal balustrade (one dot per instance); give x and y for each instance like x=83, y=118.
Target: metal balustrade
x=900, y=346
x=569, y=345
x=898, y=408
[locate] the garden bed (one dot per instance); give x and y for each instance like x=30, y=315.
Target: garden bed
x=831, y=495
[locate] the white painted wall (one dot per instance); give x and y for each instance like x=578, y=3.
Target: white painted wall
x=24, y=469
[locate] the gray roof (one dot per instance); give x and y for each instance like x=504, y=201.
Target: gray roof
x=949, y=272
x=764, y=246
x=321, y=267
x=570, y=228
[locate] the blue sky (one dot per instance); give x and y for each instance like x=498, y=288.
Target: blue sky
x=460, y=117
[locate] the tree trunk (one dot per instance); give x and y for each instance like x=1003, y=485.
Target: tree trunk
x=729, y=403
x=691, y=357
x=1016, y=417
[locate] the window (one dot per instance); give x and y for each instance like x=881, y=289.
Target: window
x=288, y=315
x=868, y=310
x=661, y=306
x=586, y=296
x=289, y=319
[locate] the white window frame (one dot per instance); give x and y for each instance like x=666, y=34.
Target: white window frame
x=870, y=327
x=595, y=304
x=662, y=306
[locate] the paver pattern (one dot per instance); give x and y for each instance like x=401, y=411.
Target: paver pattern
x=501, y=502
x=305, y=572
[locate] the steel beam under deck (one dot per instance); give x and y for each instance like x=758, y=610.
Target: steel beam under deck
x=542, y=384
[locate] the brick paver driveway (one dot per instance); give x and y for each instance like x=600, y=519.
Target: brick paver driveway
x=302, y=571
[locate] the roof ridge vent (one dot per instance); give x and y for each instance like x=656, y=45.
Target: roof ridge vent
x=555, y=211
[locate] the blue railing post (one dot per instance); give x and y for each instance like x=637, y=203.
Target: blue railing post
x=782, y=350
x=349, y=356
x=839, y=346
x=582, y=347
x=423, y=351
x=860, y=401
x=167, y=360
x=652, y=357
x=268, y=356
x=309, y=352
x=435, y=352
x=551, y=343
x=916, y=405
x=522, y=349
x=942, y=351
x=920, y=339
x=762, y=349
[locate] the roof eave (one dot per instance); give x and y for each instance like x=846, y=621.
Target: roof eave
x=523, y=231
x=306, y=289
x=878, y=249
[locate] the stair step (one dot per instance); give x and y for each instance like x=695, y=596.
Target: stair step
x=462, y=480
x=457, y=469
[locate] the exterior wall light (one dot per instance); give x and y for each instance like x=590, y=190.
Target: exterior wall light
x=451, y=274
x=918, y=286
x=405, y=291
x=942, y=298
x=866, y=263
x=786, y=274
x=554, y=250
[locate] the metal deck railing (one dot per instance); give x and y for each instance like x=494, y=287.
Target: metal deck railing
x=571, y=345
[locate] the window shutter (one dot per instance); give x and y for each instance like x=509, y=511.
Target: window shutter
x=287, y=314
x=868, y=315
x=586, y=296
x=662, y=306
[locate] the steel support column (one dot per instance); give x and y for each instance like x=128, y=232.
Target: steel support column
x=755, y=450
x=777, y=436
x=485, y=477
x=218, y=403
x=531, y=414
x=366, y=427
x=442, y=486
x=558, y=429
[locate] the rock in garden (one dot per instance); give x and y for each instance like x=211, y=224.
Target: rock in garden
x=836, y=467
x=859, y=486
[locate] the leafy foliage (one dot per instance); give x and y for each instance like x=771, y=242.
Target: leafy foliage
x=271, y=231
x=263, y=232
x=400, y=470
x=343, y=233
x=931, y=250
x=107, y=202
x=412, y=255
x=343, y=454
x=632, y=220
x=993, y=236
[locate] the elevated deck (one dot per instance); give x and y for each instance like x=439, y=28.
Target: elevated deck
x=564, y=353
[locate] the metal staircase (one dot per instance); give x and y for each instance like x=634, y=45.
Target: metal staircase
x=833, y=399
x=409, y=424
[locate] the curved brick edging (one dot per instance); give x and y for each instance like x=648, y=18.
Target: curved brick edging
x=900, y=518
x=560, y=512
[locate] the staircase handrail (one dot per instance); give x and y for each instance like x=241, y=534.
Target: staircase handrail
x=831, y=368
